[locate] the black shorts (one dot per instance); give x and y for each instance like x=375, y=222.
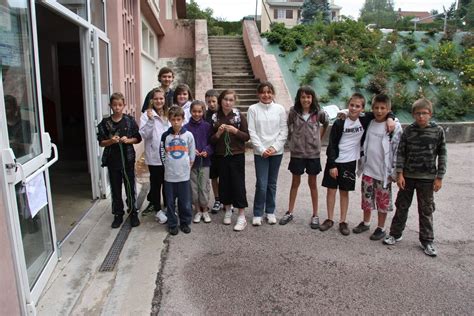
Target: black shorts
x=214, y=170
x=346, y=177
x=297, y=166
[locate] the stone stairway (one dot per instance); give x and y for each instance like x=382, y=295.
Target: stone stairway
x=231, y=69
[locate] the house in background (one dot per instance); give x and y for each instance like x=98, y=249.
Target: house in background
x=423, y=17
x=288, y=12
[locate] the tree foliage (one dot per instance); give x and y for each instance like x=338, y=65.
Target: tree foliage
x=380, y=12
x=314, y=9
x=214, y=26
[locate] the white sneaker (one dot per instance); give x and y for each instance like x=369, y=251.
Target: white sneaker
x=206, y=217
x=241, y=224
x=197, y=217
x=271, y=218
x=227, y=217
x=161, y=217
x=257, y=221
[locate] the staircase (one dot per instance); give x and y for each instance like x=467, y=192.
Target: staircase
x=231, y=69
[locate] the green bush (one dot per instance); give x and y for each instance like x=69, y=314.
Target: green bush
x=347, y=69
x=288, y=44
x=402, y=99
x=378, y=84
x=324, y=99
x=312, y=72
x=467, y=67
x=403, y=67
x=334, y=77
x=334, y=88
x=446, y=57
x=273, y=37
x=448, y=104
x=431, y=33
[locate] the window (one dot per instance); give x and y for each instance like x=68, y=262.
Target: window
x=279, y=14
x=98, y=14
x=148, y=41
x=289, y=14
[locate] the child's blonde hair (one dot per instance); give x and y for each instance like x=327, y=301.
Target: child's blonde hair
x=422, y=104
x=116, y=96
x=165, y=106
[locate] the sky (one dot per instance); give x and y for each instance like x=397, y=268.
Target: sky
x=234, y=10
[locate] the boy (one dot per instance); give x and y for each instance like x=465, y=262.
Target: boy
x=211, y=101
x=165, y=78
x=117, y=134
x=343, y=152
x=177, y=153
x=421, y=144
x=378, y=167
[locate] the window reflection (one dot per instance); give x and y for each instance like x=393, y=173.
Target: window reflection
x=79, y=7
x=16, y=65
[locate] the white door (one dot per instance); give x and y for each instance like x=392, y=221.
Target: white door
x=26, y=153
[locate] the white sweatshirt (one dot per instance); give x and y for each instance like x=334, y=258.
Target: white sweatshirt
x=151, y=131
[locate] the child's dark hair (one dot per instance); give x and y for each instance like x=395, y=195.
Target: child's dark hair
x=422, y=103
x=182, y=88
x=221, y=97
x=174, y=111
x=198, y=103
x=163, y=71
x=357, y=95
x=116, y=96
x=211, y=93
x=382, y=98
x=266, y=84
x=314, y=107
x=165, y=106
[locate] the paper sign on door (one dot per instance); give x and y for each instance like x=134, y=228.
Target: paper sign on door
x=36, y=193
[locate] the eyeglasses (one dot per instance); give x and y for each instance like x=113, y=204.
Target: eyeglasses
x=422, y=113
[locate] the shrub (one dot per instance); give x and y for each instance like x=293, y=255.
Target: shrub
x=361, y=71
x=403, y=66
x=402, y=99
x=446, y=57
x=347, y=69
x=448, y=105
x=288, y=44
x=467, y=67
x=378, y=84
x=324, y=99
x=431, y=33
x=334, y=77
x=273, y=37
x=334, y=88
x=312, y=72
x=468, y=40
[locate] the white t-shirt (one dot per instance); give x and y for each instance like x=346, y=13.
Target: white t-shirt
x=306, y=116
x=349, y=145
x=374, y=165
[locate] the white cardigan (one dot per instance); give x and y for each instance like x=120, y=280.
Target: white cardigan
x=151, y=131
x=267, y=127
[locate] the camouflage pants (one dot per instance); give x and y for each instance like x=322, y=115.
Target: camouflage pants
x=426, y=207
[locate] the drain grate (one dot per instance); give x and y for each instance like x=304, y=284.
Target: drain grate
x=113, y=255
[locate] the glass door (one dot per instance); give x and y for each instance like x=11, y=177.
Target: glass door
x=25, y=150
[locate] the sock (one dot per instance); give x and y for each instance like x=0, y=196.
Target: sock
x=382, y=228
x=367, y=223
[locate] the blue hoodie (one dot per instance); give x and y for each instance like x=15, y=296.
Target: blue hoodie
x=177, y=154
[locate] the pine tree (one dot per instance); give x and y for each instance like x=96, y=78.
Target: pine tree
x=312, y=9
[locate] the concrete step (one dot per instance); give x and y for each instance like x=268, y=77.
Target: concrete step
x=249, y=84
x=240, y=92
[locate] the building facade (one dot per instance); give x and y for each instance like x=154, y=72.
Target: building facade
x=60, y=61
x=288, y=12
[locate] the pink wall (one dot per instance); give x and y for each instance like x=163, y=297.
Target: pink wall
x=203, y=61
x=178, y=41
x=9, y=302
x=265, y=66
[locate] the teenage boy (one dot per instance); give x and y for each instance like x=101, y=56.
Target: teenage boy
x=343, y=151
x=421, y=166
x=177, y=153
x=377, y=167
x=211, y=101
x=165, y=78
x=117, y=134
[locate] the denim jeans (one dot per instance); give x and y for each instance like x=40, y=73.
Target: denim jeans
x=266, y=171
x=182, y=192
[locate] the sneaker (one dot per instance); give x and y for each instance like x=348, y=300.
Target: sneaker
x=185, y=228
x=241, y=224
x=161, y=217
x=344, y=229
x=326, y=225
x=390, y=240
x=288, y=217
x=361, y=228
x=173, y=230
x=216, y=207
x=271, y=219
x=257, y=221
x=118, y=220
x=314, y=222
x=134, y=221
x=206, y=217
x=228, y=217
x=378, y=234
x=150, y=208
x=429, y=249
x=197, y=217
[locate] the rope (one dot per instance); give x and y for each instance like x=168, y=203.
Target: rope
x=228, y=151
x=128, y=188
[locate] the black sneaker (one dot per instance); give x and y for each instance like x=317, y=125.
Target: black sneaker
x=326, y=225
x=429, y=249
x=361, y=228
x=288, y=217
x=185, y=228
x=150, y=208
x=134, y=221
x=378, y=234
x=344, y=229
x=216, y=207
x=118, y=220
x=173, y=230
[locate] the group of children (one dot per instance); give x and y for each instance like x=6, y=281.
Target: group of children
x=192, y=143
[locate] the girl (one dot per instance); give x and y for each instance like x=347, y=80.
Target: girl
x=200, y=187
x=230, y=135
x=153, y=123
x=183, y=98
x=304, y=139
x=268, y=132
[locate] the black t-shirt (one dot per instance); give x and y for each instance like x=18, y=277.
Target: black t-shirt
x=115, y=158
